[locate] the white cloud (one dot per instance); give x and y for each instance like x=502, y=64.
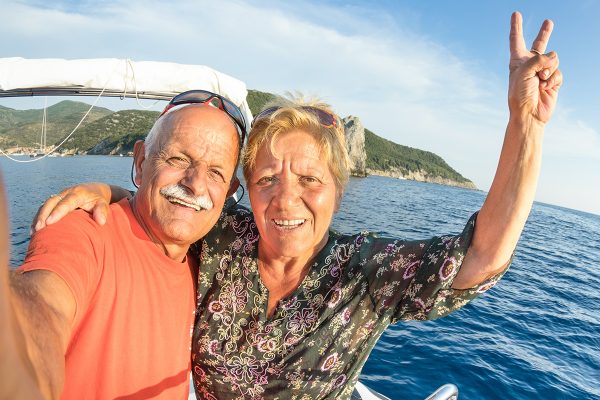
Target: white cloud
x=567, y=136
x=403, y=85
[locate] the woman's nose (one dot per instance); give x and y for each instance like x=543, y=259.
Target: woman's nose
x=288, y=193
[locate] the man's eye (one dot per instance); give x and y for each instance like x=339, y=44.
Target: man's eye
x=215, y=173
x=178, y=162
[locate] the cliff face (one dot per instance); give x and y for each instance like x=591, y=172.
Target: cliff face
x=421, y=176
x=355, y=143
x=357, y=150
x=116, y=133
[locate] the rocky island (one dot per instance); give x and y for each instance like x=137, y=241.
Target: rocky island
x=114, y=133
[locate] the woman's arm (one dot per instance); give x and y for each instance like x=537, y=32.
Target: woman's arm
x=533, y=90
x=93, y=197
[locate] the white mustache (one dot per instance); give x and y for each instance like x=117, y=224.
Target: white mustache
x=179, y=192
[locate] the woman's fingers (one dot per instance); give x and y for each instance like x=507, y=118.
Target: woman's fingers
x=550, y=65
x=55, y=208
x=39, y=221
x=541, y=65
x=544, y=65
x=91, y=197
x=518, y=50
x=516, y=39
x=100, y=212
x=541, y=41
x=554, y=81
x=71, y=200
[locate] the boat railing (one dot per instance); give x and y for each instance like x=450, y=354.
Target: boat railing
x=445, y=392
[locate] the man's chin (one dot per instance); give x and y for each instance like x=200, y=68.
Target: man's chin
x=185, y=231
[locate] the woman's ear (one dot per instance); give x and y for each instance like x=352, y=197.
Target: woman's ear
x=139, y=155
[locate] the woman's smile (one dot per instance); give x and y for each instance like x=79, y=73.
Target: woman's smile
x=288, y=224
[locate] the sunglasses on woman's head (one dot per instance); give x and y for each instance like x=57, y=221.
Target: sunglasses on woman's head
x=215, y=100
x=326, y=119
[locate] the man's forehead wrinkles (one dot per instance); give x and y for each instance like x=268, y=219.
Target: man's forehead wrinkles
x=193, y=133
x=204, y=136
x=206, y=149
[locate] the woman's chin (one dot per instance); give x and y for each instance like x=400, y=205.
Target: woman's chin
x=290, y=250
x=294, y=244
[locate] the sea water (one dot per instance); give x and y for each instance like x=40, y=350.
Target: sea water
x=536, y=335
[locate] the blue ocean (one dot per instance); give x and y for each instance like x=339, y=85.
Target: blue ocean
x=536, y=335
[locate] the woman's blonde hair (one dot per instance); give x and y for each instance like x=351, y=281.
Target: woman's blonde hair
x=295, y=114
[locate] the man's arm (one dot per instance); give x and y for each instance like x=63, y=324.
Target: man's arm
x=36, y=310
x=44, y=308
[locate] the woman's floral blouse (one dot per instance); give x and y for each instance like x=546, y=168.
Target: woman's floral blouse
x=318, y=338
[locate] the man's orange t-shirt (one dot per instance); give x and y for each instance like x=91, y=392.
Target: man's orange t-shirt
x=131, y=335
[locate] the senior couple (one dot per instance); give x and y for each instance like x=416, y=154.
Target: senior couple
x=272, y=303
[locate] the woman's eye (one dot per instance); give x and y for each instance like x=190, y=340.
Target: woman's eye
x=265, y=180
x=309, y=179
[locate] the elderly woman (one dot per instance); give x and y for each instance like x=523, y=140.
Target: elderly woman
x=288, y=308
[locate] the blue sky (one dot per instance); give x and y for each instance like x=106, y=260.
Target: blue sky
x=427, y=74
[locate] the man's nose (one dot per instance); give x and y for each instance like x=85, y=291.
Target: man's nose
x=195, y=180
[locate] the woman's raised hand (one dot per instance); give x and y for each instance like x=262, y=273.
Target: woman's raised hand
x=534, y=75
x=93, y=197
x=532, y=93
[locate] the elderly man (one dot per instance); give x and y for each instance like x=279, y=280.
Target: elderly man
x=106, y=312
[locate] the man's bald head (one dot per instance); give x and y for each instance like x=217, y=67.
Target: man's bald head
x=192, y=114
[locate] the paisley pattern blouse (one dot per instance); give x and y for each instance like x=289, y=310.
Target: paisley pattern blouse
x=319, y=337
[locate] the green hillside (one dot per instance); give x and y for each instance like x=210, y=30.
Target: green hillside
x=107, y=132
x=23, y=127
x=256, y=100
x=383, y=155
x=114, y=133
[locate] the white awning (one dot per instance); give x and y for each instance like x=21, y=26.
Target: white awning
x=115, y=77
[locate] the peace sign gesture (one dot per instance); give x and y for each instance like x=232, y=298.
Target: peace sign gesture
x=534, y=76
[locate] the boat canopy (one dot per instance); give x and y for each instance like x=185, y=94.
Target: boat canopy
x=20, y=77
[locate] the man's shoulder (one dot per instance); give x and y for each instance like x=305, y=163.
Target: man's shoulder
x=76, y=221
x=120, y=211
x=80, y=225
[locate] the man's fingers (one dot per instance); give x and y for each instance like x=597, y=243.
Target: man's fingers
x=516, y=40
x=541, y=41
